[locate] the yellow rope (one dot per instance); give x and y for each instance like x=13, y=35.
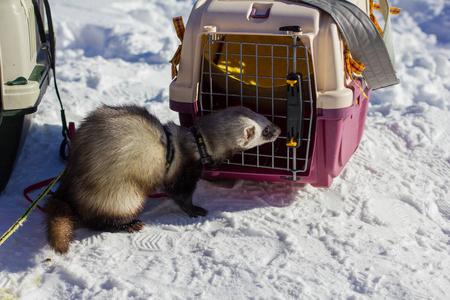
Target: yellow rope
x=28, y=211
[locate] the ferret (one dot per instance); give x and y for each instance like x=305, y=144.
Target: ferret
x=121, y=154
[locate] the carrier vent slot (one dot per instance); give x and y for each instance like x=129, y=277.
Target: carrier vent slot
x=251, y=71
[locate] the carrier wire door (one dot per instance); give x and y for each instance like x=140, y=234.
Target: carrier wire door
x=253, y=71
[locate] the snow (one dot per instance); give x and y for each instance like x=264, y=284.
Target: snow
x=381, y=231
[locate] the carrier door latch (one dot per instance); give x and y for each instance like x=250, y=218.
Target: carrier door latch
x=294, y=110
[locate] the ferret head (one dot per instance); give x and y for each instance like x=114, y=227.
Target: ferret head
x=235, y=129
x=256, y=130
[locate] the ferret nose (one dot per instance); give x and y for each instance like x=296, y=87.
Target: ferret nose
x=276, y=133
x=278, y=130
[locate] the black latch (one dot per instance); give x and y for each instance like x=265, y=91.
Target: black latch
x=293, y=28
x=294, y=109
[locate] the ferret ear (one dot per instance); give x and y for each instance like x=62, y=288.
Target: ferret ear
x=249, y=133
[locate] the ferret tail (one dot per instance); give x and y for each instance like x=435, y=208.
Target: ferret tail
x=61, y=224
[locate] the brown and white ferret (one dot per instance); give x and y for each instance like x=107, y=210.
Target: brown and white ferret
x=120, y=154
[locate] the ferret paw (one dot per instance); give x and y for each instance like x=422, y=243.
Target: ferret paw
x=133, y=226
x=196, y=211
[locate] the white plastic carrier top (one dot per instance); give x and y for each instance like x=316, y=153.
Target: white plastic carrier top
x=319, y=34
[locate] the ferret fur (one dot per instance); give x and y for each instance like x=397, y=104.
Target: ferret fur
x=118, y=157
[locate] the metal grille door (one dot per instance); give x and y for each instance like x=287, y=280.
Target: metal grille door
x=252, y=71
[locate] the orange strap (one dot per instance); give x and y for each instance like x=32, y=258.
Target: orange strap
x=373, y=6
x=175, y=61
x=392, y=10
x=353, y=66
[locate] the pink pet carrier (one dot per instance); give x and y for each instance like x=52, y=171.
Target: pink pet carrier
x=285, y=60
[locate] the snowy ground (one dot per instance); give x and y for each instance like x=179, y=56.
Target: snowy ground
x=381, y=231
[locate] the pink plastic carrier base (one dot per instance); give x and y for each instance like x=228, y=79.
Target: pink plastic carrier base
x=337, y=136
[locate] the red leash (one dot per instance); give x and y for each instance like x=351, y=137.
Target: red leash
x=158, y=195
x=35, y=187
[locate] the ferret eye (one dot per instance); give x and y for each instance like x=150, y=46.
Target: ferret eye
x=266, y=132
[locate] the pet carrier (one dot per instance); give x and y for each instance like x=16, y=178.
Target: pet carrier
x=24, y=77
x=286, y=61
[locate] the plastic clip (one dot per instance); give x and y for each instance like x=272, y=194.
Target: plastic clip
x=294, y=110
x=292, y=143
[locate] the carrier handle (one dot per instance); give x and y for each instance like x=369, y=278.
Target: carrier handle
x=293, y=28
x=294, y=107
